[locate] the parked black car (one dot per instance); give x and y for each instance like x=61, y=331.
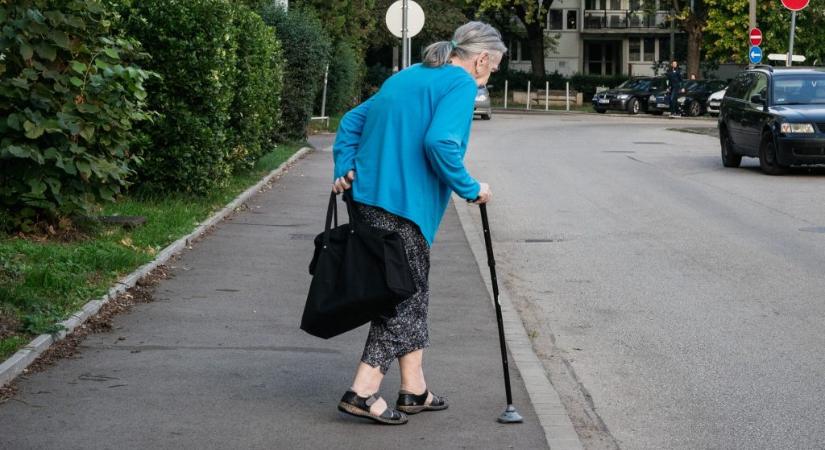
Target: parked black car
x=694, y=101
x=776, y=115
x=630, y=96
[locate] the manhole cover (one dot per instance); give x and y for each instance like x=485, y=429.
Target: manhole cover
x=618, y=151
x=813, y=229
x=650, y=143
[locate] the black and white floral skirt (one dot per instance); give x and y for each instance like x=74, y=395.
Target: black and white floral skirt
x=393, y=337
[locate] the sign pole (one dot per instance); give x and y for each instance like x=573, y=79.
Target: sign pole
x=789, y=62
x=405, y=39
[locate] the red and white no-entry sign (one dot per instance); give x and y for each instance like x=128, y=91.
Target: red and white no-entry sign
x=795, y=5
x=756, y=36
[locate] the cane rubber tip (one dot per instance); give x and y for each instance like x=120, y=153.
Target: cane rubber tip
x=510, y=415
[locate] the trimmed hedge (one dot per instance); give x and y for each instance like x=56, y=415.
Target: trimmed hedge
x=255, y=111
x=343, y=85
x=306, y=48
x=192, y=47
x=69, y=97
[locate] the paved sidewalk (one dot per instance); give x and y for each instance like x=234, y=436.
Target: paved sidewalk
x=218, y=361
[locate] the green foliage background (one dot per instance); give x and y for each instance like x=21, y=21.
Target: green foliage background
x=306, y=48
x=70, y=94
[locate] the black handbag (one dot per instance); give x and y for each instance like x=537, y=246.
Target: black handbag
x=359, y=273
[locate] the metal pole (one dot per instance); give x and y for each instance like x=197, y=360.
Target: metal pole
x=790, y=44
x=546, y=95
x=505, y=93
x=567, y=95
x=672, y=36
x=324, y=97
x=752, y=14
x=405, y=40
x=528, y=95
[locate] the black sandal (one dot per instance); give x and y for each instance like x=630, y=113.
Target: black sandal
x=413, y=404
x=354, y=405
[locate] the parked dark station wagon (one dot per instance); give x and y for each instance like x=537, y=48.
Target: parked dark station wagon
x=776, y=115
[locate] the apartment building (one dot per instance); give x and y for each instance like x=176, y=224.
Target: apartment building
x=602, y=37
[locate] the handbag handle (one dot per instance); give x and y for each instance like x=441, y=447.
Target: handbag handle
x=332, y=215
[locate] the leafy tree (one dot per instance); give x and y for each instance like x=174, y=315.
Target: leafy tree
x=693, y=22
x=345, y=20
x=727, y=28
x=532, y=14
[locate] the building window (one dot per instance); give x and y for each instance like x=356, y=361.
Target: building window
x=650, y=48
x=572, y=19
x=664, y=48
x=555, y=19
x=595, y=4
x=635, y=49
x=615, y=5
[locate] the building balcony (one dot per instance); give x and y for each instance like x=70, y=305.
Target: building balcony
x=624, y=21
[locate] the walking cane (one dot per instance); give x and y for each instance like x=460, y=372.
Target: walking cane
x=510, y=415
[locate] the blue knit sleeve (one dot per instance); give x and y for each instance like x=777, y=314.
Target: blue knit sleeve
x=445, y=143
x=348, y=137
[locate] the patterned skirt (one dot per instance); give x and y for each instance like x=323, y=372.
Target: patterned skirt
x=393, y=337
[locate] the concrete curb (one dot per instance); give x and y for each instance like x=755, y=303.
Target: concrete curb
x=18, y=362
x=558, y=429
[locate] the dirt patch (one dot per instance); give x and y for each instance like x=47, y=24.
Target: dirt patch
x=99, y=323
x=8, y=325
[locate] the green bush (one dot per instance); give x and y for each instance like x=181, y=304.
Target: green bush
x=343, y=79
x=374, y=78
x=69, y=97
x=255, y=111
x=306, y=50
x=587, y=84
x=193, y=48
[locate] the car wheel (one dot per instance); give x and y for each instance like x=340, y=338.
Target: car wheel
x=729, y=156
x=695, y=109
x=600, y=111
x=767, y=156
x=485, y=117
x=713, y=114
x=633, y=106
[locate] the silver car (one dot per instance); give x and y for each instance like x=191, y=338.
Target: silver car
x=483, y=106
x=715, y=102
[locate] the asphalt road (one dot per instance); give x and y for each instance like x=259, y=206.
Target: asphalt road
x=675, y=303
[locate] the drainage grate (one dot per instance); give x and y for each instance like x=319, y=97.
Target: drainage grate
x=650, y=143
x=543, y=241
x=618, y=151
x=813, y=229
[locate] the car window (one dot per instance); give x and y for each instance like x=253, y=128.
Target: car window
x=799, y=89
x=738, y=87
x=759, y=86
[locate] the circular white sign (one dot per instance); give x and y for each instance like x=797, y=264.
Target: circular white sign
x=415, y=18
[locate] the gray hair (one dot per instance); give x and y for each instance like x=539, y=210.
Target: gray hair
x=469, y=39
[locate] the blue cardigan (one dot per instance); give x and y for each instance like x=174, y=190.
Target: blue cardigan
x=407, y=142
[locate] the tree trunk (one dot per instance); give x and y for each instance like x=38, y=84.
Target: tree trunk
x=535, y=36
x=694, y=33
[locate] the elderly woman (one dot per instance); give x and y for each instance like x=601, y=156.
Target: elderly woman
x=402, y=154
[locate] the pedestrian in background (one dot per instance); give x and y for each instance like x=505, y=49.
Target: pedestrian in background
x=402, y=154
x=674, y=77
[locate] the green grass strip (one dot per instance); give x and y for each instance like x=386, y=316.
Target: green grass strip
x=43, y=282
